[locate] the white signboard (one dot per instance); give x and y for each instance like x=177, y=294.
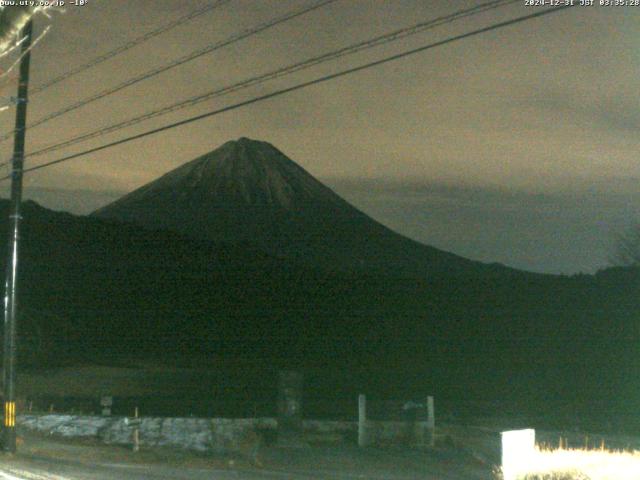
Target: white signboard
x=518, y=452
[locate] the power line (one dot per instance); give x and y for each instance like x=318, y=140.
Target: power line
x=123, y=48
x=299, y=86
x=290, y=69
x=175, y=63
x=129, y=45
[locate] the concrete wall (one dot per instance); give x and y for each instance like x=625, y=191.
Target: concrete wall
x=220, y=435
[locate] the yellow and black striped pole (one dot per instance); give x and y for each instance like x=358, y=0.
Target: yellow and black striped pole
x=9, y=414
x=11, y=297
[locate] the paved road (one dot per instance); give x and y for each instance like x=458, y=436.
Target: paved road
x=46, y=458
x=49, y=470
x=308, y=465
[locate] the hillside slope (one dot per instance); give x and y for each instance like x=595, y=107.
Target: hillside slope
x=94, y=289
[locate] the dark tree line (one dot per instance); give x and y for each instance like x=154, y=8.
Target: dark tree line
x=627, y=249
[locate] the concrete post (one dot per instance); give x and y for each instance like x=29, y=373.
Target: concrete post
x=106, y=402
x=362, y=420
x=431, y=421
x=290, y=408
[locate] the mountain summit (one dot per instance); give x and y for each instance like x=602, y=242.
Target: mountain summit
x=240, y=174
x=249, y=191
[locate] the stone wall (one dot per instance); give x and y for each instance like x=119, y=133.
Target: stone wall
x=220, y=435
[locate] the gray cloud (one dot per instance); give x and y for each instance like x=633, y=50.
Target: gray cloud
x=553, y=233
x=614, y=114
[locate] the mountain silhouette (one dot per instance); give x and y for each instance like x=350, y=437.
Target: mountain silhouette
x=248, y=191
x=96, y=290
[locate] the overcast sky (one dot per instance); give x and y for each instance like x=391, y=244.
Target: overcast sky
x=518, y=146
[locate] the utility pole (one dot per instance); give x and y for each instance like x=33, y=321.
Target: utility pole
x=11, y=297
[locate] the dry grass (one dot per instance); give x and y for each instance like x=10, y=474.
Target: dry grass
x=557, y=476
x=582, y=464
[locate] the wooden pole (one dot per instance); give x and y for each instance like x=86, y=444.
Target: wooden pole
x=136, y=433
